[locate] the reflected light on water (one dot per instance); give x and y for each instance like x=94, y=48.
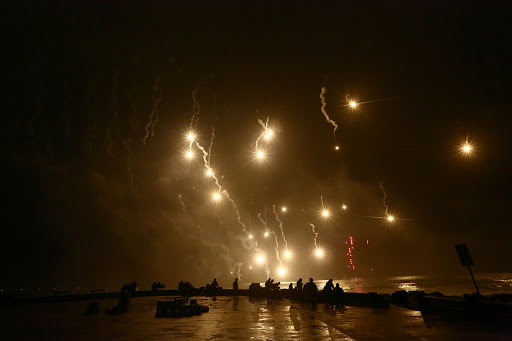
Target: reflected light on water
x=408, y=286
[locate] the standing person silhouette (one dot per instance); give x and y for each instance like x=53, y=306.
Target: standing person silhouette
x=310, y=291
x=235, y=288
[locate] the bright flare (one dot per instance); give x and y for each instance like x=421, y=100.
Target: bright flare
x=260, y=259
x=344, y=207
x=390, y=218
x=269, y=134
x=319, y=253
x=191, y=137
x=337, y=148
x=353, y=104
x=282, y=271
x=325, y=213
x=467, y=149
x=189, y=154
x=266, y=234
x=216, y=196
x=209, y=173
x=284, y=209
x=251, y=236
x=287, y=254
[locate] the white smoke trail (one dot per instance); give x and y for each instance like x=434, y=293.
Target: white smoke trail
x=316, y=233
x=280, y=226
x=211, y=144
x=180, y=199
x=264, y=222
x=239, y=271
x=277, y=247
x=153, y=117
x=381, y=185
x=324, y=104
x=264, y=125
x=267, y=230
x=220, y=189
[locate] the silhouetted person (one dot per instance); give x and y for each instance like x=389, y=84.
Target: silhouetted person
x=299, y=284
x=329, y=292
x=235, y=288
x=180, y=285
x=267, y=283
x=214, y=284
x=290, y=287
x=329, y=286
x=338, y=295
x=310, y=291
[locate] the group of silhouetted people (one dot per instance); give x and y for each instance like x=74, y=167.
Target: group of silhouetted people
x=333, y=295
x=184, y=287
x=129, y=287
x=157, y=285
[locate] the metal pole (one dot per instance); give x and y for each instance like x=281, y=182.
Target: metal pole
x=474, y=282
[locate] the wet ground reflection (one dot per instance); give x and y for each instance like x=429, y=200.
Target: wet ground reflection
x=235, y=319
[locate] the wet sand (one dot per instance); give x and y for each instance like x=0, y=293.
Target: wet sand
x=228, y=319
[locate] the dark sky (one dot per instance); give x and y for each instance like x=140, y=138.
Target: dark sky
x=87, y=203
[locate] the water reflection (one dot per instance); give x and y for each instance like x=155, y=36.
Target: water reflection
x=408, y=286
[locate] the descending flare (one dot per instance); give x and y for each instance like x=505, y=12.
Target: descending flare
x=189, y=155
x=287, y=254
x=268, y=135
x=344, y=207
x=216, y=196
x=282, y=271
x=319, y=253
x=353, y=104
x=191, y=136
x=325, y=212
x=390, y=218
x=466, y=148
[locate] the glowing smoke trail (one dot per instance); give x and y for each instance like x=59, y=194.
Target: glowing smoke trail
x=277, y=247
x=128, y=142
x=250, y=212
x=280, y=225
x=265, y=127
x=180, y=199
x=267, y=231
x=264, y=223
x=211, y=144
x=153, y=117
x=316, y=233
x=220, y=189
x=381, y=185
x=239, y=271
x=322, y=98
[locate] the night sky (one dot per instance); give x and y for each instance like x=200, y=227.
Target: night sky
x=87, y=203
